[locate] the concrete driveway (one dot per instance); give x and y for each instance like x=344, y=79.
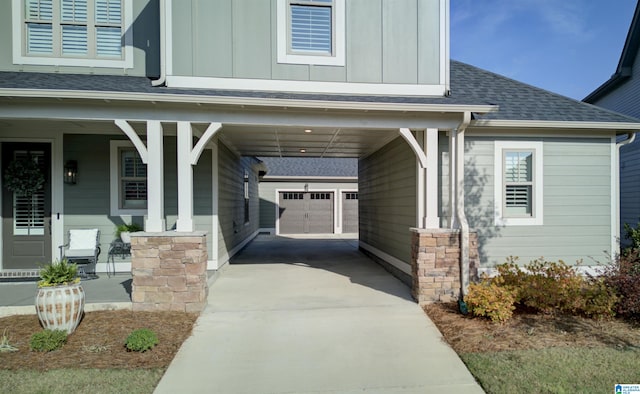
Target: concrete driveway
x=313, y=316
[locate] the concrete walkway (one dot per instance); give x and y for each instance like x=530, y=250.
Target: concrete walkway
x=313, y=316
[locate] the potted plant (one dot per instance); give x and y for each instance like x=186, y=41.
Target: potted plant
x=123, y=231
x=60, y=297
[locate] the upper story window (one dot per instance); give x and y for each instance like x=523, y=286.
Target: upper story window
x=93, y=33
x=311, y=32
x=518, y=183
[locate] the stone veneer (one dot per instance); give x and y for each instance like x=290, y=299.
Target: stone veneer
x=169, y=271
x=435, y=264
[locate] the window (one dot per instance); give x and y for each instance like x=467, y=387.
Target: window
x=311, y=32
x=351, y=196
x=128, y=180
x=73, y=32
x=133, y=180
x=518, y=183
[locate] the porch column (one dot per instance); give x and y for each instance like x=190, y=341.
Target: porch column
x=188, y=156
x=432, y=220
x=185, y=178
x=155, y=222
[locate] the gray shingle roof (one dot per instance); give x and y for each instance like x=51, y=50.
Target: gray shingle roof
x=306, y=167
x=469, y=86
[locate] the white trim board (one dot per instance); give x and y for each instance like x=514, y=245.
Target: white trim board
x=279, y=85
x=397, y=263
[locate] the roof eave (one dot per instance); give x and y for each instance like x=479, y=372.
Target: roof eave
x=245, y=101
x=622, y=126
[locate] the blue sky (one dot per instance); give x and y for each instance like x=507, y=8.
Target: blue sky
x=566, y=46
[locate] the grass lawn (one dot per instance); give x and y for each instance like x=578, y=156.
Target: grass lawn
x=555, y=370
x=64, y=381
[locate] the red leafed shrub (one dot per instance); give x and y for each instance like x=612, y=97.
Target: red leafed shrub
x=624, y=277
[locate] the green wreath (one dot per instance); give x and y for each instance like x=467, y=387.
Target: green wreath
x=23, y=177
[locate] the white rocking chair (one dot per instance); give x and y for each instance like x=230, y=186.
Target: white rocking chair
x=82, y=249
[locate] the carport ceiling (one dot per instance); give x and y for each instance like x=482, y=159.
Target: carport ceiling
x=252, y=140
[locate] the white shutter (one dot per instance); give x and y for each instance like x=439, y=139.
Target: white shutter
x=73, y=11
x=39, y=10
x=108, y=12
x=311, y=28
x=108, y=42
x=74, y=40
x=39, y=38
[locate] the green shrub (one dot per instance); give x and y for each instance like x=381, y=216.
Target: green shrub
x=598, y=299
x=555, y=287
x=58, y=273
x=551, y=287
x=491, y=300
x=48, y=340
x=141, y=340
x=633, y=235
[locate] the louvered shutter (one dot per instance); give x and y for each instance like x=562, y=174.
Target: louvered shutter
x=39, y=28
x=518, y=183
x=74, y=36
x=311, y=26
x=108, y=28
x=133, y=174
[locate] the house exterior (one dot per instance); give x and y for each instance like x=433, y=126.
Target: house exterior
x=621, y=93
x=309, y=196
x=164, y=105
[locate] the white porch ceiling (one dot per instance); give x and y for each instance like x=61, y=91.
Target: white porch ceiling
x=304, y=141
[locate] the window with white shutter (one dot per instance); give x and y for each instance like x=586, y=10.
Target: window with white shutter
x=127, y=180
x=518, y=183
x=93, y=33
x=133, y=180
x=311, y=32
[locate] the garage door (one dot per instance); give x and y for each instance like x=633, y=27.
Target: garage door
x=306, y=213
x=349, y=212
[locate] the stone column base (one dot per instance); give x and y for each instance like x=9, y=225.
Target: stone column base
x=435, y=264
x=169, y=271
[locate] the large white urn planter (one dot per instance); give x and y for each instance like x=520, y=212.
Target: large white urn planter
x=60, y=307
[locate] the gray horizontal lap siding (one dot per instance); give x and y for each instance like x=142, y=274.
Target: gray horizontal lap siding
x=387, y=199
x=232, y=228
x=237, y=39
x=87, y=205
x=577, y=203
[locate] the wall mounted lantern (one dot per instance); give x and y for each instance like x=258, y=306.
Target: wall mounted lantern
x=70, y=172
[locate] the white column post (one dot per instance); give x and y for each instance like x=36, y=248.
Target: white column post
x=155, y=222
x=215, y=254
x=185, y=178
x=432, y=220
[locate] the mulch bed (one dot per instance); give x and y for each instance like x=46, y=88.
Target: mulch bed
x=525, y=331
x=98, y=342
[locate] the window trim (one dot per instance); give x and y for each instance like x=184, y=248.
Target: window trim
x=537, y=183
x=337, y=58
x=114, y=180
x=19, y=57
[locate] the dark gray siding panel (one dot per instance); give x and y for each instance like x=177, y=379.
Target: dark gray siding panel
x=387, y=204
x=626, y=99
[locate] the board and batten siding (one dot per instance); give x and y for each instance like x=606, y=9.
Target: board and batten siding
x=387, y=199
x=626, y=100
x=577, y=203
x=233, y=230
x=146, y=43
x=237, y=39
x=87, y=205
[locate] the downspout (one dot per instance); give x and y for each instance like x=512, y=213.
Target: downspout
x=163, y=74
x=629, y=140
x=462, y=218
